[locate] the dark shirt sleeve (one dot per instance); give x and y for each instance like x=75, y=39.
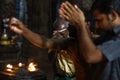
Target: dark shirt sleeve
x=62, y=43
x=111, y=49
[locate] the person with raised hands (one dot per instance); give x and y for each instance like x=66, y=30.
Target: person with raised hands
x=67, y=62
x=104, y=57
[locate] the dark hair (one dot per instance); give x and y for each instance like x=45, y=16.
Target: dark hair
x=72, y=31
x=106, y=6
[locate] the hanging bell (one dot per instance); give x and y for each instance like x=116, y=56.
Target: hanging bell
x=5, y=39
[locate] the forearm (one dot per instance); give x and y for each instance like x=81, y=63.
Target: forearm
x=34, y=38
x=76, y=18
x=86, y=46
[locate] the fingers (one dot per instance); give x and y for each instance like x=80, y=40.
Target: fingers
x=13, y=21
x=70, y=7
x=17, y=30
x=67, y=7
x=64, y=11
x=76, y=6
x=67, y=10
x=15, y=25
x=63, y=15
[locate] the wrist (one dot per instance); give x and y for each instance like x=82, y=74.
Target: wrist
x=81, y=25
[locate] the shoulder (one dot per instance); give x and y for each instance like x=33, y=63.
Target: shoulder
x=63, y=43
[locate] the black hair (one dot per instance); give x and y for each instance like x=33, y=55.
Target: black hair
x=72, y=31
x=106, y=6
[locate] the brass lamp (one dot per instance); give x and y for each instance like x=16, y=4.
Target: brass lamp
x=5, y=39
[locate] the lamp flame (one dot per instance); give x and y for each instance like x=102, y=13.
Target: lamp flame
x=9, y=67
x=32, y=67
x=21, y=64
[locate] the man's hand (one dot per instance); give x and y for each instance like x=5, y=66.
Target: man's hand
x=72, y=14
x=16, y=25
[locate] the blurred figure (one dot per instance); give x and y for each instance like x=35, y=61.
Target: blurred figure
x=67, y=62
x=60, y=29
x=105, y=57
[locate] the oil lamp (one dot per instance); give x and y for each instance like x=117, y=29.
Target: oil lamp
x=32, y=67
x=5, y=40
x=23, y=71
x=21, y=64
x=6, y=36
x=9, y=68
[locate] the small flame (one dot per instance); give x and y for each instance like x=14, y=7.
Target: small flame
x=21, y=64
x=9, y=66
x=10, y=70
x=32, y=67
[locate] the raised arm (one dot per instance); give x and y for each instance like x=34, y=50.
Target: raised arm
x=76, y=18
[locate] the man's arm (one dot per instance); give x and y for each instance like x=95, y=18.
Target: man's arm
x=36, y=39
x=76, y=17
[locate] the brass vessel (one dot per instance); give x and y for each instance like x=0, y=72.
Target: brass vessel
x=5, y=38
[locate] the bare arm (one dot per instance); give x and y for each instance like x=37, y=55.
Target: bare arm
x=76, y=17
x=36, y=39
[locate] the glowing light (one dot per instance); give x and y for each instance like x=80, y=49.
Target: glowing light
x=21, y=64
x=32, y=67
x=9, y=66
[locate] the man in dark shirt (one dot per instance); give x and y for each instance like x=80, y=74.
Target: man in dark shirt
x=105, y=57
